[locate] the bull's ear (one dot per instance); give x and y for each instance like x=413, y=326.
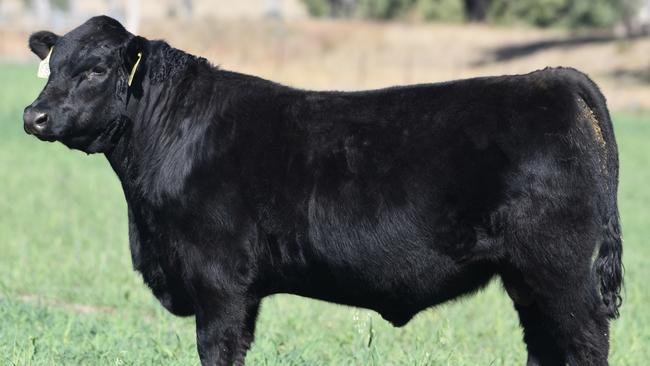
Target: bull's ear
x=134, y=51
x=41, y=42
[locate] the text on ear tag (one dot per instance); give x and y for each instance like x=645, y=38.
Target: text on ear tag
x=44, y=66
x=135, y=67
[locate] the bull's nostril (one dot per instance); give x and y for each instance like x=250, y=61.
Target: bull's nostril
x=40, y=119
x=35, y=121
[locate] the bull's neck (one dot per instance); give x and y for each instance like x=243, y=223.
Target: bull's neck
x=159, y=120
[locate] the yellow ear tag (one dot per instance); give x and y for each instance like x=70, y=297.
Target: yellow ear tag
x=135, y=67
x=44, y=66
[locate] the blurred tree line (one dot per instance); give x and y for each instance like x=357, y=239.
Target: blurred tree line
x=542, y=13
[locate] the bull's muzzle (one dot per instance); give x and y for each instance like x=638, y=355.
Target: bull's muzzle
x=35, y=121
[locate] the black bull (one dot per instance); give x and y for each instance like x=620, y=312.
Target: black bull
x=393, y=200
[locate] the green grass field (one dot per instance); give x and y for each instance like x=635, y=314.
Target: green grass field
x=68, y=294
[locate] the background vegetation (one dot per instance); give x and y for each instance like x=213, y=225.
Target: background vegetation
x=68, y=295
x=543, y=13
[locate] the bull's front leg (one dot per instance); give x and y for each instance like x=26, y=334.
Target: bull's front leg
x=219, y=277
x=218, y=331
x=225, y=329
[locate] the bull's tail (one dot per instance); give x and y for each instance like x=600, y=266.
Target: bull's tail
x=609, y=267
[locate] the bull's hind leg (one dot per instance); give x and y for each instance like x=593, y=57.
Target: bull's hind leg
x=541, y=344
x=556, y=293
x=562, y=323
x=550, y=237
x=542, y=347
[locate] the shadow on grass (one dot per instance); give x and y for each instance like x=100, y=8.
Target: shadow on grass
x=631, y=75
x=514, y=51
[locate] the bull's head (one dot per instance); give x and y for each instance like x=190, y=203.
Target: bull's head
x=84, y=102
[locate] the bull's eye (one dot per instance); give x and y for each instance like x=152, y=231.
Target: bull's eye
x=96, y=71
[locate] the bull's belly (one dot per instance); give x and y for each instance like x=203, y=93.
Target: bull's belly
x=396, y=291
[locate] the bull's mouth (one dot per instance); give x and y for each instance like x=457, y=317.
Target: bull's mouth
x=47, y=138
x=91, y=143
x=43, y=136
